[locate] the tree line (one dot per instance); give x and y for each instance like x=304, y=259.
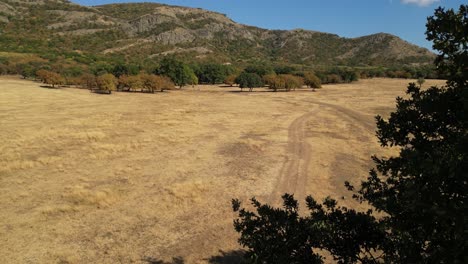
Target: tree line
x=174, y=72
x=279, y=77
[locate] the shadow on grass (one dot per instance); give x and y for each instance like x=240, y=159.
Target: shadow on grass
x=230, y=257
x=49, y=87
x=247, y=91
x=177, y=260
x=227, y=86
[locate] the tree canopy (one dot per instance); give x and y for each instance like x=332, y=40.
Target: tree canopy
x=249, y=80
x=180, y=73
x=107, y=82
x=420, y=194
x=49, y=77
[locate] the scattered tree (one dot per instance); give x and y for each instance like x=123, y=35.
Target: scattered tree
x=193, y=80
x=291, y=82
x=270, y=79
x=107, y=82
x=130, y=83
x=230, y=80
x=285, y=82
x=88, y=81
x=50, y=78
x=312, y=81
x=213, y=73
x=333, y=78
x=179, y=72
x=153, y=82
x=421, y=81
x=249, y=80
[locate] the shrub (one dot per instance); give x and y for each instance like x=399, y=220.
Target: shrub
x=88, y=81
x=107, y=82
x=333, y=78
x=311, y=80
x=49, y=77
x=130, y=83
x=270, y=79
x=291, y=82
x=230, y=80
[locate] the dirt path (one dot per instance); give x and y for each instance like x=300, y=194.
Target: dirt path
x=294, y=173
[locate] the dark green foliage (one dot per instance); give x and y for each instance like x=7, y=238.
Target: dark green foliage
x=448, y=30
x=338, y=75
x=27, y=70
x=420, y=194
x=179, y=72
x=260, y=70
x=212, y=73
x=284, y=69
x=101, y=68
x=125, y=69
x=249, y=80
x=275, y=235
x=281, y=235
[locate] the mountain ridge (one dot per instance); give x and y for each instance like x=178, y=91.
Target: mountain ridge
x=146, y=30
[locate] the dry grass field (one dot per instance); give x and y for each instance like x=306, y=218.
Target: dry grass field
x=135, y=178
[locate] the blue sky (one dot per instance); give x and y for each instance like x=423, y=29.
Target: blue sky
x=347, y=18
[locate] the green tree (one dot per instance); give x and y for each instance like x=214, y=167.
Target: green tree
x=100, y=68
x=26, y=70
x=213, y=73
x=284, y=69
x=193, y=80
x=448, y=29
x=180, y=73
x=260, y=70
x=421, y=81
x=420, y=194
x=249, y=80
x=125, y=69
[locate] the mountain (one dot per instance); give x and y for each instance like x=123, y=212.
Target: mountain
x=142, y=31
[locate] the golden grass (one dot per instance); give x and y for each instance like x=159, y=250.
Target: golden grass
x=87, y=178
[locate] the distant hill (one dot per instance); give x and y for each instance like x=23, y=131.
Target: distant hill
x=140, y=31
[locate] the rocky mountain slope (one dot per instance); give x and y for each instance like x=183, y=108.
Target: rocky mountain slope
x=149, y=30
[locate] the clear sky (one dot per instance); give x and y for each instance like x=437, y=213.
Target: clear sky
x=347, y=18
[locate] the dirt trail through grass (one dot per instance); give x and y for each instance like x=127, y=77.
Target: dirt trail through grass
x=294, y=173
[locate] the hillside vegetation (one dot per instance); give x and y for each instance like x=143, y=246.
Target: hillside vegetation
x=137, y=32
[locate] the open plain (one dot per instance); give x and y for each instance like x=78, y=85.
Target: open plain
x=138, y=178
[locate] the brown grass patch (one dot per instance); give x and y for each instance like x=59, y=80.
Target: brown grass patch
x=93, y=179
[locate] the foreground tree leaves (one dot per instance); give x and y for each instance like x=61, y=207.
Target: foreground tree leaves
x=276, y=235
